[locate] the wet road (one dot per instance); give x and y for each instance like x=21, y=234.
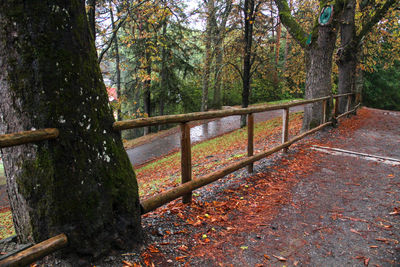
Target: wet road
x=165, y=145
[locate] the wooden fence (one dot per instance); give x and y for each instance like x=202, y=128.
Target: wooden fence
x=188, y=184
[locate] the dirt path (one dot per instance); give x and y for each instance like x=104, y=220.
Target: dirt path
x=306, y=208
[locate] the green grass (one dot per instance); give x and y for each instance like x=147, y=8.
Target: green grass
x=6, y=225
x=277, y=102
x=2, y=176
x=155, y=175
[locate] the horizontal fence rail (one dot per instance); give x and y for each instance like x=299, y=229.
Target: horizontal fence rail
x=21, y=138
x=184, y=190
x=195, y=116
x=36, y=252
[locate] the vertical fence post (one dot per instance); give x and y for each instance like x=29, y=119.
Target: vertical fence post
x=324, y=111
x=186, y=159
x=285, y=127
x=250, y=140
x=348, y=103
x=336, y=109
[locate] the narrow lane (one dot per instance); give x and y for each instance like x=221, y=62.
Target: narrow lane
x=164, y=145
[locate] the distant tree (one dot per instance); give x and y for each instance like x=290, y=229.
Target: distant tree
x=81, y=184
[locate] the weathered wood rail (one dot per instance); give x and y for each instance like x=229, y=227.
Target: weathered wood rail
x=184, y=190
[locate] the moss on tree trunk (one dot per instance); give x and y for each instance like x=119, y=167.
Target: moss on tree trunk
x=81, y=184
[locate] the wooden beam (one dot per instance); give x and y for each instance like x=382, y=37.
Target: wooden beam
x=250, y=140
x=20, y=138
x=36, y=252
x=285, y=127
x=154, y=202
x=336, y=108
x=349, y=112
x=348, y=103
x=181, y=118
x=324, y=110
x=186, y=159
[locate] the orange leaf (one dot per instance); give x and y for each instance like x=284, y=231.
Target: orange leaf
x=127, y=263
x=266, y=256
x=280, y=258
x=153, y=249
x=180, y=258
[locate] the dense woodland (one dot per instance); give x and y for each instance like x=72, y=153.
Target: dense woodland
x=168, y=57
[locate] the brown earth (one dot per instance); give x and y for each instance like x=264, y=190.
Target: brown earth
x=306, y=208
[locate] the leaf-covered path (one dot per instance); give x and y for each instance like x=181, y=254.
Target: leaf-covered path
x=308, y=208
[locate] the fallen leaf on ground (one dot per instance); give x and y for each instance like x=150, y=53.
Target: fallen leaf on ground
x=180, y=258
x=366, y=261
x=127, y=263
x=396, y=211
x=355, y=231
x=266, y=256
x=153, y=249
x=280, y=258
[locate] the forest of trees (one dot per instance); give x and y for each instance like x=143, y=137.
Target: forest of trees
x=162, y=57
x=168, y=57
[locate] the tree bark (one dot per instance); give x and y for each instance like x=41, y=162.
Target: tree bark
x=117, y=63
x=347, y=54
x=220, y=31
x=208, y=57
x=92, y=17
x=81, y=184
x=319, y=70
x=351, y=44
x=248, y=40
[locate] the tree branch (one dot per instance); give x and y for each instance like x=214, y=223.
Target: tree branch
x=236, y=68
x=379, y=14
x=294, y=28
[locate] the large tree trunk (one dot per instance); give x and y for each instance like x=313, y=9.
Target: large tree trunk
x=347, y=54
x=248, y=40
x=81, y=184
x=319, y=69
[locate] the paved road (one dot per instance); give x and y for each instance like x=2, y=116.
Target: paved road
x=165, y=145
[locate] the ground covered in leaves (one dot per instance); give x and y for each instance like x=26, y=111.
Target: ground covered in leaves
x=306, y=208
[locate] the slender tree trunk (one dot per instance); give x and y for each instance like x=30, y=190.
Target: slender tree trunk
x=347, y=54
x=277, y=49
x=248, y=39
x=219, y=37
x=287, y=43
x=147, y=92
x=218, y=74
x=81, y=184
x=164, y=72
x=208, y=58
x=319, y=69
x=117, y=63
